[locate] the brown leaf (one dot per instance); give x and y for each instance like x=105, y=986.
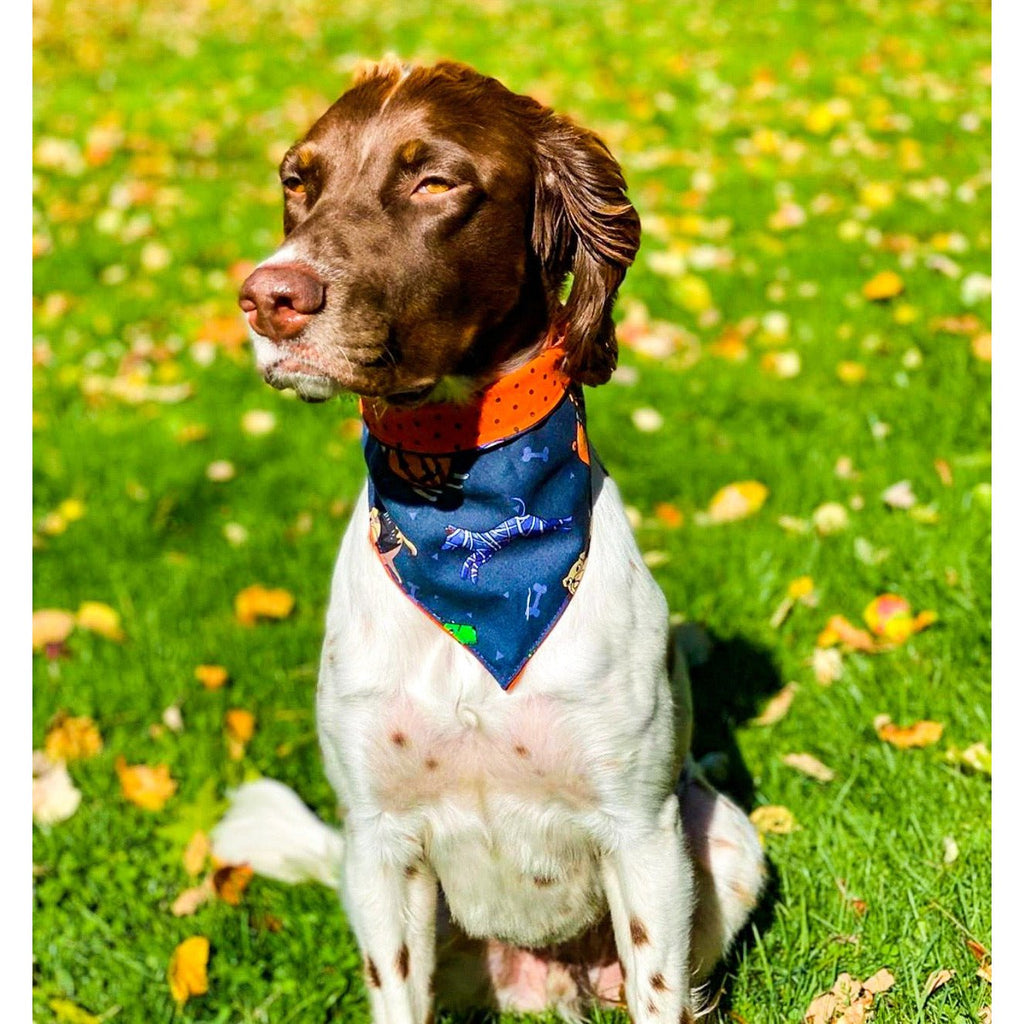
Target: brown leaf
x=50, y=626
x=936, y=980
x=809, y=765
x=190, y=900
x=777, y=706
x=230, y=881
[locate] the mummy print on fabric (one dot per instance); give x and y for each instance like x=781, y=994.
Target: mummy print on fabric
x=489, y=541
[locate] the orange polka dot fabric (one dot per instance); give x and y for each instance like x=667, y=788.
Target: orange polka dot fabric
x=511, y=405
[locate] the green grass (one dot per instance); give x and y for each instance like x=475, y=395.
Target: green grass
x=203, y=99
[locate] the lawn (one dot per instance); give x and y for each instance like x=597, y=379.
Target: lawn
x=782, y=156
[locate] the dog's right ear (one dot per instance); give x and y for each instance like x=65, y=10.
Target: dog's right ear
x=582, y=224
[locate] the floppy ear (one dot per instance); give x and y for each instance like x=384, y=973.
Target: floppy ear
x=582, y=223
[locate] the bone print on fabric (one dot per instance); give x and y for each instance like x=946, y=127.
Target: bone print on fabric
x=516, y=510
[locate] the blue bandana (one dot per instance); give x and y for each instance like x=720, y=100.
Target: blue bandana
x=491, y=541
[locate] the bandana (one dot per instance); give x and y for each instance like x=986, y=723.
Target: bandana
x=480, y=512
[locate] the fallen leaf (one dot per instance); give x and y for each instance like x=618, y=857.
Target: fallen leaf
x=981, y=347
x=72, y=738
x=190, y=900
x=838, y=630
x=849, y=1001
x=880, y=981
x=850, y=372
x=777, y=706
x=196, y=851
x=668, y=514
x=985, y=1015
x=827, y=665
x=213, y=677
x=186, y=974
x=984, y=972
x=257, y=602
x=230, y=881
x=830, y=518
x=145, y=786
x=976, y=758
x=809, y=765
x=54, y=796
x=239, y=725
x=936, y=980
x=920, y=734
x=258, y=422
x=888, y=616
x=900, y=495
x=736, y=501
x=220, y=471
x=883, y=286
x=773, y=819
x=67, y=1012
x=100, y=618
x=51, y=626
x=647, y=420
x=950, y=850
x=977, y=950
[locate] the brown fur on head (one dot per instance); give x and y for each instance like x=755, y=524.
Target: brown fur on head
x=431, y=219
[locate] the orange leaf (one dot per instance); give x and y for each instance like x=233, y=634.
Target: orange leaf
x=839, y=630
x=240, y=724
x=888, y=616
x=145, y=786
x=920, y=734
x=257, y=602
x=187, y=972
x=807, y=764
x=70, y=739
x=230, y=881
x=213, y=677
x=668, y=514
x=777, y=706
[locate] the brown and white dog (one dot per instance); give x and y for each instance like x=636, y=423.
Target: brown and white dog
x=532, y=847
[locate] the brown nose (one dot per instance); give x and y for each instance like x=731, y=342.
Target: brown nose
x=279, y=300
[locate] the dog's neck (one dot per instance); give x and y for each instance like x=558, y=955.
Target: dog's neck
x=528, y=387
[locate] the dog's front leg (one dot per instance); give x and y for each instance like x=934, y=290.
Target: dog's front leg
x=648, y=881
x=391, y=902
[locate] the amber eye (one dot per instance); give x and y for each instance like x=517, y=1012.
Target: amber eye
x=433, y=187
x=293, y=183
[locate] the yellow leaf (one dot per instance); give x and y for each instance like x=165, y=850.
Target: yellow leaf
x=213, y=677
x=187, y=972
x=801, y=587
x=100, y=618
x=920, y=734
x=737, y=501
x=773, y=819
x=257, y=602
x=883, y=286
x=145, y=786
x=71, y=509
x=50, y=626
x=981, y=347
x=977, y=757
x=70, y=739
x=240, y=724
x=850, y=372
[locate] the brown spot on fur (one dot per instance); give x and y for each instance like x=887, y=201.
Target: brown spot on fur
x=542, y=882
x=411, y=871
x=402, y=962
x=651, y=1008
x=431, y=764
x=399, y=739
x=371, y=973
x=658, y=982
x=686, y=1017
x=521, y=750
x=637, y=932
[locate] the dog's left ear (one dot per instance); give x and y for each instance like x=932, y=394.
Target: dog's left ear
x=584, y=224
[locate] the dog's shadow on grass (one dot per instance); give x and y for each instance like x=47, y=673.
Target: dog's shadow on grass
x=730, y=678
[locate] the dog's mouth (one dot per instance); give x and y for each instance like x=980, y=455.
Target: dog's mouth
x=406, y=399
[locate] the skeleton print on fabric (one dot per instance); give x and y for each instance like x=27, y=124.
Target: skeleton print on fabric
x=489, y=541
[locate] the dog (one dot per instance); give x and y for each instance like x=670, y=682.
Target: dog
x=522, y=826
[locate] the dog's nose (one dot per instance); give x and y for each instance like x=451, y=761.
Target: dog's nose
x=280, y=299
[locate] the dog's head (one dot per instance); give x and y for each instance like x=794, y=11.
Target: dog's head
x=431, y=220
